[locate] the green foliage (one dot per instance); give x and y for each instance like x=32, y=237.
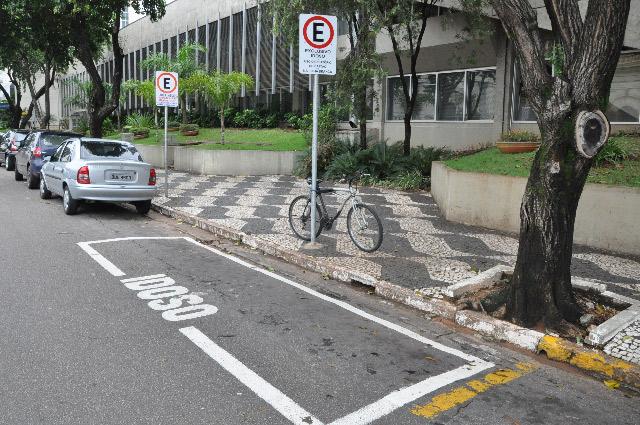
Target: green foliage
x=520, y=136
x=107, y=126
x=294, y=120
x=250, y=118
x=189, y=127
x=613, y=152
x=140, y=120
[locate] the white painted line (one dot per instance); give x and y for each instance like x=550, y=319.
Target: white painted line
x=106, y=264
x=363, y=416
x=406, y=395
x=276, y=398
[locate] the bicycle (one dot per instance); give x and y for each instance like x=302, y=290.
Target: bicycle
x=363, y=224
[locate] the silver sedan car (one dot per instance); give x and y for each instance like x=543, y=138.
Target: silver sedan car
x=98, y=170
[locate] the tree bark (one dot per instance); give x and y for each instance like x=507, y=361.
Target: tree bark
x=541, y=286
x=183, y=108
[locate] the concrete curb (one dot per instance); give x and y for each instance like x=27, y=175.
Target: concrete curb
x=591, y=361
x=555, y=348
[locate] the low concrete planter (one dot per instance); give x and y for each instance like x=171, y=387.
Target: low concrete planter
x=222, y=162
x=154, y=155
x=607, y=216
x=234, y=162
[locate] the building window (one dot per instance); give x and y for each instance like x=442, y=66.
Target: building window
x=425, y=106
x=481, y=86
x=396, y=104
x=624, y=96
x=522, y=110
x=451, y=96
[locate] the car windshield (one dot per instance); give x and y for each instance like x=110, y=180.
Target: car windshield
x=93, y=150
x=52, y=140
x=20, y=136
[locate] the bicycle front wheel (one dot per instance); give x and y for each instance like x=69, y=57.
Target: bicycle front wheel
x=300, y=217
x=365, y=227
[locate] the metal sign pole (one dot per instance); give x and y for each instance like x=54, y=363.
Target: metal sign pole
x=314, y=156
x=166, y=162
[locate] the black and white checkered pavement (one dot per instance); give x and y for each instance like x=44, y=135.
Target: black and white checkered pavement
x=421, y=250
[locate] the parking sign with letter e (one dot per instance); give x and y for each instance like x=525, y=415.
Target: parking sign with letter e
x=318, y=44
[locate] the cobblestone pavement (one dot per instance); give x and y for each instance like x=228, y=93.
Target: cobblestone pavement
x=626, y=344
x=420, y=249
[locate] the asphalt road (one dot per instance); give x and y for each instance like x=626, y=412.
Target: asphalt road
x=112, y=318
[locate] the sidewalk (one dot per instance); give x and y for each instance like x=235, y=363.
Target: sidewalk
x=421, y=251
x=420, y=248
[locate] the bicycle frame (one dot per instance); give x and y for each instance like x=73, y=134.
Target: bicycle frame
x=353, y=197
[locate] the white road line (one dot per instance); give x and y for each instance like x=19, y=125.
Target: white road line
x=365, y=415
x=106, y=264
x=397, y=399
x=276, y=398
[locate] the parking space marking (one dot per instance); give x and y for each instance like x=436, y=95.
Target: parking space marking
x=276, y=398
x=106, y=264
x=279, y=400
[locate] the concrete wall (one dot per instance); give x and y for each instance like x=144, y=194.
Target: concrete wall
x=607, y=218
x=154, y=155
x=234, y=163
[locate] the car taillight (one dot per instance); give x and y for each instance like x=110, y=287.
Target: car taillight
x=83, y=175
x=37, y=152
x=152, y=177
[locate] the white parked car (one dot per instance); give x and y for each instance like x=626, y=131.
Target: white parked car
x=98, y=170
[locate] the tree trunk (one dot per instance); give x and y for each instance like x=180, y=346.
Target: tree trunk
x=46, y=117
x=183, y=107
x=98, y=108
x=363, y=118
x=406, y=143
x=222, y=126
x=15, y=110
x=541, y=286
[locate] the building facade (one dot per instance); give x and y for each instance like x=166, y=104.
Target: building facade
x=469, y=90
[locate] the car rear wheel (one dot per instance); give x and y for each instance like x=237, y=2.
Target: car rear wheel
x=32, y=181
x=17, y=176
x=142, y=207
x=69, y=204
x=9, y=163
x=44, y=192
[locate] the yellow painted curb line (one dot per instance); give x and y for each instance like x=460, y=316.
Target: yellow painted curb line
x=605, y=366
x=464, y=393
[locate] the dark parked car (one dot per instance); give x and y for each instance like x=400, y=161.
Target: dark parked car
x=9, y=144
x=30, y=157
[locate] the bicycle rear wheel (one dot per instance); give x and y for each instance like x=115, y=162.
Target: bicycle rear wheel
x=300, y=217
x=365, y=227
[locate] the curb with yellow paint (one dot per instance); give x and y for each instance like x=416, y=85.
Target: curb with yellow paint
x=464, y=393
x=591, y=361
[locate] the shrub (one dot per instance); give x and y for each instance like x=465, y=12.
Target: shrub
x=520, y=136
x=271, y=121
x=140, y=130
x=82, y=125
x=612, y=153
x=173, y=124
x=421, y=158
x=249, y=118
x=107, y=126
x=140, y=120
x=189, y=127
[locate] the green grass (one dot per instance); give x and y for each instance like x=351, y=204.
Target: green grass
x=235, y=139
x=492, y=161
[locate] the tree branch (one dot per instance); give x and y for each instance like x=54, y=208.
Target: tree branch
x=597, y=55
x=520, y=22
x=566, y=23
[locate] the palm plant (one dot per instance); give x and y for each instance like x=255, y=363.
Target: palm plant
x=184, y=64
x=218, y=89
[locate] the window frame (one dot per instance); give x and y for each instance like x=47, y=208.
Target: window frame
x=435, y=105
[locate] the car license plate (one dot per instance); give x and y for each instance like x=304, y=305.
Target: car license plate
x=121, y=176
